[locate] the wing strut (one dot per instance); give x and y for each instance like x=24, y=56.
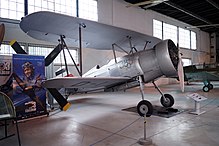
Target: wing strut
x=80, y=50
x=114, y=53
x=80, y=46
x=146, y=43
x=64, y=44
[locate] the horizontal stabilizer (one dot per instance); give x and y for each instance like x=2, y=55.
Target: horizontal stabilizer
x=64, y=104
x=17, y=48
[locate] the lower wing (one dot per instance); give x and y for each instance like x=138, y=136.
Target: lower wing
x=83, y=82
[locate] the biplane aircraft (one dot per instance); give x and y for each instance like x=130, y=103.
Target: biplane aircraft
x=147, y=58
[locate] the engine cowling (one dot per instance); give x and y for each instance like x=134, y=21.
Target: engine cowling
x=168, y=57
x=162, y=60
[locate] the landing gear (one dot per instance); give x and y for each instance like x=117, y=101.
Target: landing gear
x=144, y=107
x=207, y=87
x=167, y=100
x=210, y=86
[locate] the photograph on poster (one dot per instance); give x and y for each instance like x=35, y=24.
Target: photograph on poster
x=29, y=97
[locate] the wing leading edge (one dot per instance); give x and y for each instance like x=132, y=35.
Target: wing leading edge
x=49, y=26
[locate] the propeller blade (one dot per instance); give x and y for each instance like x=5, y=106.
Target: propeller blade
x=19, y=81
x=181, y=73
x=55, y=52
x=59, y=98
x=17, y=48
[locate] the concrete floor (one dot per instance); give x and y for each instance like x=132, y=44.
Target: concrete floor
x=97, y=119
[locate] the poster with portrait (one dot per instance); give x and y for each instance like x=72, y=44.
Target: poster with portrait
x=29, y=97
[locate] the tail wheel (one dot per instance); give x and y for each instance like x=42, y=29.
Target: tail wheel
x=167, y=100
x=144, y=107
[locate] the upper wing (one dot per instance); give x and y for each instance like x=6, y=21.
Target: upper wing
x=49, y=26
x=83, y=82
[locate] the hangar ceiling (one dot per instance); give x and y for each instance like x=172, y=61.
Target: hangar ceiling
x=199, y=13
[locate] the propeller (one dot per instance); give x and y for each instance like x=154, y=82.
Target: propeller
x=181, y=72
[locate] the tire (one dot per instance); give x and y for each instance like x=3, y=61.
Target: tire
x=205, y=88
x=169, y=100
x=145, y=107
x=210, y=86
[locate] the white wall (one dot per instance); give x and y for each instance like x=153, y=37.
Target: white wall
x=137, y=19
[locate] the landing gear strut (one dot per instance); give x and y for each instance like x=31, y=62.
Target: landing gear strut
x=144, y=107
x=166, y=100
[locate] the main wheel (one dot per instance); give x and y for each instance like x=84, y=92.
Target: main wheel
x=206, y=88
x=168, y=101
x=144, y=107
x=210, y=86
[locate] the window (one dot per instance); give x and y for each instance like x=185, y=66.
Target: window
x=187, y=38
x=39, y=50
x=60, y=58
x=7, y=50
x=184, y=38
x=170, y=32
x=193, y=40
x=186, y=61
x=44, y=51
x=157, y=29
x=88, y=9
x=13, y=9
x=67, y=7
